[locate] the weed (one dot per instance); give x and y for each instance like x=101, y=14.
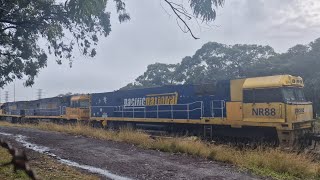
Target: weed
x=273, y=163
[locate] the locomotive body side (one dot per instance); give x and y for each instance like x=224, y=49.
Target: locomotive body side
x=48, y=107
x=15, y=108
x=271, y=108
x=51, y=106
x=167, y=102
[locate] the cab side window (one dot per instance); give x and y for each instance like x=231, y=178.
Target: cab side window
x=262, y=95
x=248, y=96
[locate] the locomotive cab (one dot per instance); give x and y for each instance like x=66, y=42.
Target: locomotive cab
x=284, y=102
x=276, y=102
x=79, y=108
x=269, y=99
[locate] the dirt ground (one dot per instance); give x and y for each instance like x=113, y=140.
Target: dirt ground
x=124, y=161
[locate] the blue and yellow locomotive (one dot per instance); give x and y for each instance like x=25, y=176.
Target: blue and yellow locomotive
x=272, y=108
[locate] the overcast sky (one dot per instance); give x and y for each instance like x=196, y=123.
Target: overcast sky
x=153, y=36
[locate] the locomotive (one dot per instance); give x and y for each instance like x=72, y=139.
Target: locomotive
x=269, y=108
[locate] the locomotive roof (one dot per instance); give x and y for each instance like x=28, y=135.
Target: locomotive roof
x=42, y=99
x=273, y=81
x=249, y=83
x=80, y=97
x=171, y=85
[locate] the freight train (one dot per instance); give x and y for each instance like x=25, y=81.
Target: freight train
x=270, y=108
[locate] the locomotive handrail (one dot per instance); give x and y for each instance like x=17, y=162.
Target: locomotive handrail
x=135, y=109
x=58, y=109
x=222, y=107
x=103, y=106
x=36, y=109
x=41, y=108
x=63, y=108
x=153, y=105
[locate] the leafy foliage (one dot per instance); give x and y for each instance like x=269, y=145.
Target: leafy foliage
x=204, y=9
x=30, y=29
x=156, y=75
x=24, y=22
x=215, y=61
x=300, y=60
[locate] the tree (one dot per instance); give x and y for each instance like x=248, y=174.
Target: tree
x=157, y=74
x=66, y=94
x=212, y=62
x=24, y=24
x=215, y=61
x=300, y=60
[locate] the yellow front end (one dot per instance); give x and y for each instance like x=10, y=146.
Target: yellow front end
x=299, y=112
x=79, y=109
x=273, y=101
x=77, y=113
x=277, y=112
x=264, y=112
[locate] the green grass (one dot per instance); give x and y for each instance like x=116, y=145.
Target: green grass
x=6, y=172
x=273, y=163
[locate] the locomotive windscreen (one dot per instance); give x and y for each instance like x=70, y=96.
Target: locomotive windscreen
x=293, y=95
x=286, y=94
x=80, y=103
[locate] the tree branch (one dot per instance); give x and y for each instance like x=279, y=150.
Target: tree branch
x=9, y=22
x=176, y=12
x=9, y=27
